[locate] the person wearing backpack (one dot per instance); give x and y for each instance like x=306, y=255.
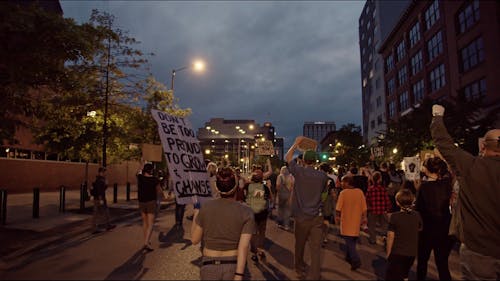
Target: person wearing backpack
x=258, y=196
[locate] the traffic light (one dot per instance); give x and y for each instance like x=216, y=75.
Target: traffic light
x=323, y=156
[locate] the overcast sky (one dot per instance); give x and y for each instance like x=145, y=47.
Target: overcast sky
x=277, y=61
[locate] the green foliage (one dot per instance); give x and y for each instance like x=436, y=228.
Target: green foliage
x=350, y=148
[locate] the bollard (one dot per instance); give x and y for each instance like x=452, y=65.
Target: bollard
x=115, y=193
x=3, y=206
x=82, y=197
x=62, y=199
x=128, y=191
x=36, y=202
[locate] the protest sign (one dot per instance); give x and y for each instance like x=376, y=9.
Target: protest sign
x=151, y=152
x=264, y=148
x=307, y=144
x=412, y=168
x=184, y=157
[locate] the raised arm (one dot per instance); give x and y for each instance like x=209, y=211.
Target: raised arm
x=291, y=151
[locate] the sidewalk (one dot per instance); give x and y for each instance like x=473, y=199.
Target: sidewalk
x=23, y=234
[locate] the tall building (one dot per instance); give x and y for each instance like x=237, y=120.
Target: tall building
x=375, y=23
x=442, y=50
x=318, y=130
x=236, y=140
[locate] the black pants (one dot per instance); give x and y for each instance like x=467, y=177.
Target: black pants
x=439, y=242
x=179, y=213
x=398, y=267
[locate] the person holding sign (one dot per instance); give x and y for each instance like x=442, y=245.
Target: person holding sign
x=226, y=227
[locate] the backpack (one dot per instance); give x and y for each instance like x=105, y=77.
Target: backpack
x=256, y=197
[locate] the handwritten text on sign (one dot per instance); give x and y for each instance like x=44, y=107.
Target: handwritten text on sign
x=183, y=154
x=264, y=148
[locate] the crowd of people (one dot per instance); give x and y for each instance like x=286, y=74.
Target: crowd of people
x=453, y=201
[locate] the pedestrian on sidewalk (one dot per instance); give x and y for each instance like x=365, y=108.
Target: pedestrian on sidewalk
x=226, y=227
x=100, y=204
x=379, y=205
x=402, y=237
x=306, y=207
x=148, y=191
x=351, y=214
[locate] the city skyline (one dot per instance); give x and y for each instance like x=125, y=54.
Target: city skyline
x=284, y=63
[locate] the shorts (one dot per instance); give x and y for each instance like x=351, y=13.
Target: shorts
x=148, y=207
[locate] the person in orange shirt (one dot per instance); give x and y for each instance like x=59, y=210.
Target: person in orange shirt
x=350, y=214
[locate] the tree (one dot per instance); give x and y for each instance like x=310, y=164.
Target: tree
x=36, y=45
x=349, y=148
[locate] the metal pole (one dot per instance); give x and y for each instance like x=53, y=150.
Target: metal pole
x=3, y=209
x=128, y=191
x=172, y=80
x=115, y=193
x=62, y=199
x=36, y=202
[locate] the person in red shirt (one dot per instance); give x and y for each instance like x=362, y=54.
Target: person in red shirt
x=379, y=204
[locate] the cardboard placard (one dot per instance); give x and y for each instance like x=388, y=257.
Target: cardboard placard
x=151, y=152
x=264, y=148
x=307, y=144
x=412, y=168
x=183, y=153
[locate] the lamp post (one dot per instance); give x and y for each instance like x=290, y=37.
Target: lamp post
x=197, y=66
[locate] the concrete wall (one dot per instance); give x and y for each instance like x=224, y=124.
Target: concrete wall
x=21, y=175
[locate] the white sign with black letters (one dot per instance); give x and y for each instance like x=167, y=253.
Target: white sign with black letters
x=182, y=150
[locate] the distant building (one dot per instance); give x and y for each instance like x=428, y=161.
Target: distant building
x=376, y=22
x=318, y=130
x=442, y=50
x=235, y=140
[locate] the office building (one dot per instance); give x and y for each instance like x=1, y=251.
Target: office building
x=318, y=130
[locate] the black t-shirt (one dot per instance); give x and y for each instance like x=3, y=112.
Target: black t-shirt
x=146, y=188
x=405, y=226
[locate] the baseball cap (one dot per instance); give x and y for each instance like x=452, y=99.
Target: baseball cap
x=310, y=155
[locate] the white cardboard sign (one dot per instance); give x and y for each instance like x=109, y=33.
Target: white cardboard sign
x=183, y=153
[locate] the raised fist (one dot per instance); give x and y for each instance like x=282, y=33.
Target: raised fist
x=437, y=110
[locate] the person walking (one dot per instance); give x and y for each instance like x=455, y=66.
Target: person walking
x=379, y=205
x=226, y=227
x=350, y=215
x=306, y=205
x=402, y=237
x=99, y=187
x=433, y=204
x=148, y=191
x=284, y=187
x=479, y=180
x=258, y=197
x=328, y=201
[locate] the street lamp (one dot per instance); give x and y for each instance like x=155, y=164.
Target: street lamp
x=197, y=66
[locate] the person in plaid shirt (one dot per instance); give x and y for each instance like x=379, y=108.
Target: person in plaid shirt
x=379, y=204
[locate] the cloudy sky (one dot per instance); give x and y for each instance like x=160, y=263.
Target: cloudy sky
x=277, y=61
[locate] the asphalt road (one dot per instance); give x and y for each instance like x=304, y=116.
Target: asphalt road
x=117, y=255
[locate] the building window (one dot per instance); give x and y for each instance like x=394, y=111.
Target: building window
x=369, y=41
x=392, y=109
x=432, y=14
x=435, y=46
x=472, y=54
x=389, y=63
x=371, y=74
x=416, y=63
x=379, y=120
x=436, y=78
x=379, y=101
x=372, y=124
x=403, y=101
x=418, y=91
x=402, y=75
x=364, y=82
x=400, y=50
x=414, y=34
x=468, y=16
x=391, y=86
x=475, y=90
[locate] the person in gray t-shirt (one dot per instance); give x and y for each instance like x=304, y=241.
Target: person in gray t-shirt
x=306, y=205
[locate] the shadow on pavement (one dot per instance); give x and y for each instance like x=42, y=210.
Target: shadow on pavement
x=174, y=235
x=132, y=269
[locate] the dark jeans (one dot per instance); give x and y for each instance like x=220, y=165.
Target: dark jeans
x=351, y=253
x=179, y=213
x=475, y=266
x=257, y=241
x=398, y=267
x=441, y=244
x=309, y=229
